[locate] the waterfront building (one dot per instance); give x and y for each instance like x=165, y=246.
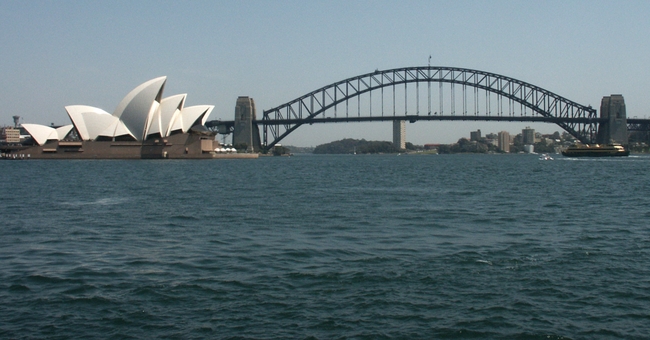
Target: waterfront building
x=144, y=125
x=475, y=135
x=504, y=141
x=10, y=135
x=528, y=135
x=142, y=114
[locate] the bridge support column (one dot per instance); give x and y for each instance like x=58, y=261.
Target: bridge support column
x=614, y=130
x=246, y=133
x=399, y=134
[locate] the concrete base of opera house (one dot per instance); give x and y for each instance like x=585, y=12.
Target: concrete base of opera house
x=178, y=146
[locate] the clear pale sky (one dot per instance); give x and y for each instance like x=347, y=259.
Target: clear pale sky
x=58, y=53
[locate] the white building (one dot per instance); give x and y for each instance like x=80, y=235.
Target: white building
x=141, y=115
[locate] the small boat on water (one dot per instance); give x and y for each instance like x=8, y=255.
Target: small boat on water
x=545, y=157
x=596, y=150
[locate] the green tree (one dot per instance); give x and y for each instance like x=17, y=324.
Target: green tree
x=348, y=145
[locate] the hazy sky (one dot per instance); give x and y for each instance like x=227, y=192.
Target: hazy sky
x=58, y=53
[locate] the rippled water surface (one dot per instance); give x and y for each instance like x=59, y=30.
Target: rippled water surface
x=456, y=246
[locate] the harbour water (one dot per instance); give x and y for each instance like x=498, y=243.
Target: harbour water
x=326, y=246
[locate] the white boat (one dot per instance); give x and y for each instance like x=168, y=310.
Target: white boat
x=545, y=157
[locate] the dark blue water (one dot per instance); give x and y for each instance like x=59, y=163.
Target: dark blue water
x=455, y=246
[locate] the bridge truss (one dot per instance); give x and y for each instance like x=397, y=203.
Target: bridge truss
x=408, y=94
x=635, y=124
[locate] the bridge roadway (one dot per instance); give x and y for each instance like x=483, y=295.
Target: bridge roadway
x=478, y=95
x=227, y=126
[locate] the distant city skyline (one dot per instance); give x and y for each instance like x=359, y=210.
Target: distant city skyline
x=66, y=52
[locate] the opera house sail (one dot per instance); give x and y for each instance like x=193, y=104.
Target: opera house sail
x=144, y=125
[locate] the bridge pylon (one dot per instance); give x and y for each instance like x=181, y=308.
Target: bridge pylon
x=614, y=128
x=399, y=134
x=246, y=132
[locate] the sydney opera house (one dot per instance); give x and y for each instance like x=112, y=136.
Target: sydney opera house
x=144, y=125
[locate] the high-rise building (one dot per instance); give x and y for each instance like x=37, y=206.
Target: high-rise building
x=504, y=141
x=528, y=135
x=399, y=134
x=475, y=135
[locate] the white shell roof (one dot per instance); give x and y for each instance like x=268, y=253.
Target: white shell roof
x=190, y=116
x=116, y=129
x=136, y=110
x=63, y=131
x=141, y=113
x=90, y=121
x=41, y=133
x=169, y=109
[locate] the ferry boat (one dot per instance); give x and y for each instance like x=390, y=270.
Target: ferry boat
x=596, y=150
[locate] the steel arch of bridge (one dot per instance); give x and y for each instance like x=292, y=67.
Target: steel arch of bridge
x=578, y=120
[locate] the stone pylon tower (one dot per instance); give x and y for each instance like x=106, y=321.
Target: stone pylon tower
x=614, y=130
x=399, y=134
x=246, y=132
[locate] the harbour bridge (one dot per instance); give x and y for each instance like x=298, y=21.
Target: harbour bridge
x=430, y=93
